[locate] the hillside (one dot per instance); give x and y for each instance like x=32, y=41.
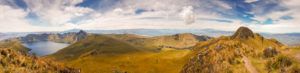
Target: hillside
x=243, y=52
x=70, y=37
x=12, y=61
x=102, y=54
x=177, y=41
x=93, y=45
x=14, y=45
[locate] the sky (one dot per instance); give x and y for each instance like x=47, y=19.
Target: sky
x=272, y=16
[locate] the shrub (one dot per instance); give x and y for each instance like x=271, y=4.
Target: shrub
x=282, y=61
x=269, y=52
x=269, y=65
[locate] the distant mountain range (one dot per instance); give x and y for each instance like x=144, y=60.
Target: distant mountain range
x=291, y=39
x=159, y=32
x=176, y=41
x=70, y=37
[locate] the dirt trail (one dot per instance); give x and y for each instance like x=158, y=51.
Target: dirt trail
x=249, y=66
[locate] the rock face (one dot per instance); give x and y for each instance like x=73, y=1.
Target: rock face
x=243, y=33
x=224, y=54
x=81, y=34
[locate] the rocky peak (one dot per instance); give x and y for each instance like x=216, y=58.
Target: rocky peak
x=82, y=32
x=243, y=32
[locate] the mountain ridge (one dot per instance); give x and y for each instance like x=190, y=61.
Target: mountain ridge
x=178, y=41
x=70, y=37
x=224, y=54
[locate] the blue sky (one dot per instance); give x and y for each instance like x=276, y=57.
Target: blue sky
x=274, y=16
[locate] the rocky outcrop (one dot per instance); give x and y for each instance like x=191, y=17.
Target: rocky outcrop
x=12, y=61
x=243, y=33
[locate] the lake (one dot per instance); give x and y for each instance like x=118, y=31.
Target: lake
x=43, y=48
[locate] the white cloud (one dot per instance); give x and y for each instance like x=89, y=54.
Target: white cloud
x=12, y=19
x=159, y=14
x=250, y=1
x=279, y=25
x=165, y=10
x=188, y=15
x=57, y=11
x=118, y=11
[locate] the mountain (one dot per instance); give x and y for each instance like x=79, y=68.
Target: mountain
x=243, y=52
x=158, y=32
x=177, y=41
x=93, y=45
x=70, y=37
x=104, y=54
x=12, y=61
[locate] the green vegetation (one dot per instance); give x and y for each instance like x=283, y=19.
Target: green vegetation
x=279, y=62
x=282, y=63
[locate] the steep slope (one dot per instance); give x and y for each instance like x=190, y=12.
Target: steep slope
x=177, y=41
x=12, y=61
x=225, y=54
x=93, y=45
x=14, y=45
x=70, y=37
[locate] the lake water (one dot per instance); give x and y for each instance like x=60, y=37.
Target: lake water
x=43, y=48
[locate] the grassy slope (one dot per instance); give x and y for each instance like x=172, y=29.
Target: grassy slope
x=93, y=45
x=170, y=61
x=178, y=41
x=104, y=54
x=14, y=45
x=292, y=52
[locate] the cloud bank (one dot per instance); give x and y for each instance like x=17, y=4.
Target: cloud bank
x=59, y=15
